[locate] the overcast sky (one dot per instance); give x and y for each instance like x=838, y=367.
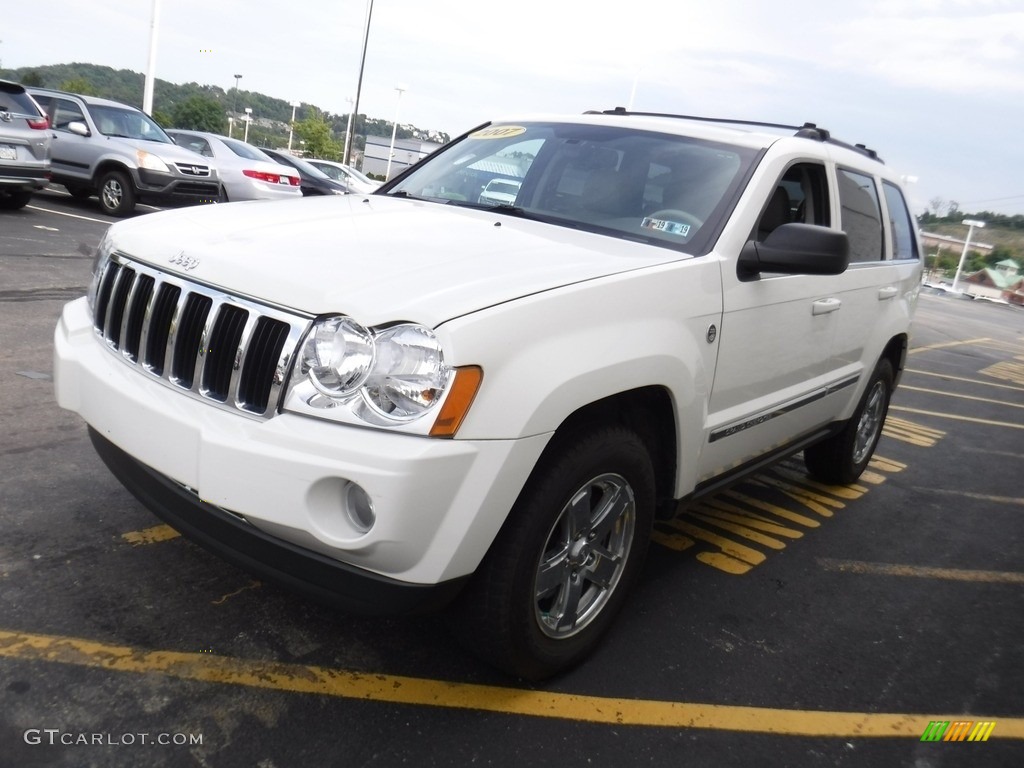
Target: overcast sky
x=935, y=86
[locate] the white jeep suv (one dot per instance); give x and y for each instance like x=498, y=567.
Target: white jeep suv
x=409, y=398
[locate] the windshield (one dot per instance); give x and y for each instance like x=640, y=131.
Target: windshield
x=659, y=188
x=127, y=124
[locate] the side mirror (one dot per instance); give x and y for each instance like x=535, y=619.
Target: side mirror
x=796, y=249
x=78, y=128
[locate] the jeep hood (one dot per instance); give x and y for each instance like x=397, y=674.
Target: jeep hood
x=375, y=258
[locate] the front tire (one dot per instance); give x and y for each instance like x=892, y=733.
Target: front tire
x=567, y=557
x=117, y=195
x=842, y=458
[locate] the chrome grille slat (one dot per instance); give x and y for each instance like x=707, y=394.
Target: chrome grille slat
x=225, y=350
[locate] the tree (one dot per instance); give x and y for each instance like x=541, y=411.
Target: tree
x=199, y=113
x=78, y=85
x=316, y=132
x=162, y=118
x=33, y=77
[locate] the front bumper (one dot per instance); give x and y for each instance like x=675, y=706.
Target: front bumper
x=310, y=573
x=438, y=503
x=170, y=190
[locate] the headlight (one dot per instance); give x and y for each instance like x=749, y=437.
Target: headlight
x=99, y=262
x=410, y=375
x=151, y=162
x=338, y=356
x=380, y=376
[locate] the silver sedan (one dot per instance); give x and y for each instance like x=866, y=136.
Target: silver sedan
x=246, y=173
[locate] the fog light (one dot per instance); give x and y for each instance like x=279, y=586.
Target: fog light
x=358, y=507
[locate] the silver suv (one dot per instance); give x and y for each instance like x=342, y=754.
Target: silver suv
x=118, y=152
x=24, y=146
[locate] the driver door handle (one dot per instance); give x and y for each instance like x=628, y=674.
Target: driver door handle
x=824, y=306
x=887, y=293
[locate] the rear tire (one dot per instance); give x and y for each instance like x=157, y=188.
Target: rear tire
x=15, y=199
x=565, y=560
x=79, y=193
x=842, y=458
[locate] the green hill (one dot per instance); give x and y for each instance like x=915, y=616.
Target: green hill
x=126, y=86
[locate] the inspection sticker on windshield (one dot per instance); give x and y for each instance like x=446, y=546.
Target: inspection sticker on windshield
x=668, y=227
x=498, y=132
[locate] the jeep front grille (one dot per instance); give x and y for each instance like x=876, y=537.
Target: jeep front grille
x=222, y=349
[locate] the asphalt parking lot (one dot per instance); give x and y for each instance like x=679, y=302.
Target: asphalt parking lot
x=779, y=623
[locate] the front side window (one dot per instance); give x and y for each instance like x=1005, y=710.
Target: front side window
x=663, y=189
x=861, y=215
x=904, y=246
x=127, y=124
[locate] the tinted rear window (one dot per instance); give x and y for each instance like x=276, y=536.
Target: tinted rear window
x=14, y=99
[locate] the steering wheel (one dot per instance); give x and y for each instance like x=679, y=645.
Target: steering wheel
x=674, y=214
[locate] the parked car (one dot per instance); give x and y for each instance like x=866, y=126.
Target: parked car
x=101, y=147
x=245, y=172
x=24, y=146
x=500, y=192
x=414, y=399
x=313, y=180
x=355, y=180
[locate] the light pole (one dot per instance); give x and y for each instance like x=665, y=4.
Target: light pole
x=147, y=88
x=231, y=126
x=348, y=129
x=971, y=224
x=359, y=82
x=234, y=104
x=248, y=119
x=394, y=130
x=291, y=126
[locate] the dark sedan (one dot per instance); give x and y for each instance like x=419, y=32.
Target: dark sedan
x=313, y=181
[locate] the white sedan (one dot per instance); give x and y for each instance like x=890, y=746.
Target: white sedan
x=347, y=175
x=246, y=173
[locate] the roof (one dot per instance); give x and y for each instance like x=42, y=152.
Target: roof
x=996, y=278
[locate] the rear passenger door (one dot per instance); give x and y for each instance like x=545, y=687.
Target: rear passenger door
x=882, y=281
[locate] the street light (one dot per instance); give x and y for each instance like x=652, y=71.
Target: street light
x=248, y=119
x=291, y=126
x=394, y=129
x=970, y=224
x=231, y=126
x=234, y=104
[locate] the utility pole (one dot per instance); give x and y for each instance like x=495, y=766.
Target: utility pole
x=147, y=90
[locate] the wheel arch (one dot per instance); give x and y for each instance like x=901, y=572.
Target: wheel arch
x=650, y=412
x=896, y=353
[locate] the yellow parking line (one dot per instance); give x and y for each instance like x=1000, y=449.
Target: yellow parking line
x=955, y=417
x=150, y=535
x=890, y=569
x=396, y=689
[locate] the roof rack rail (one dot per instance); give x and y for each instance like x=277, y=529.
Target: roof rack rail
x=805, y=131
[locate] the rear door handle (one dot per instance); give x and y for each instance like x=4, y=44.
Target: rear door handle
x=824, y=306
x=887, y=293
